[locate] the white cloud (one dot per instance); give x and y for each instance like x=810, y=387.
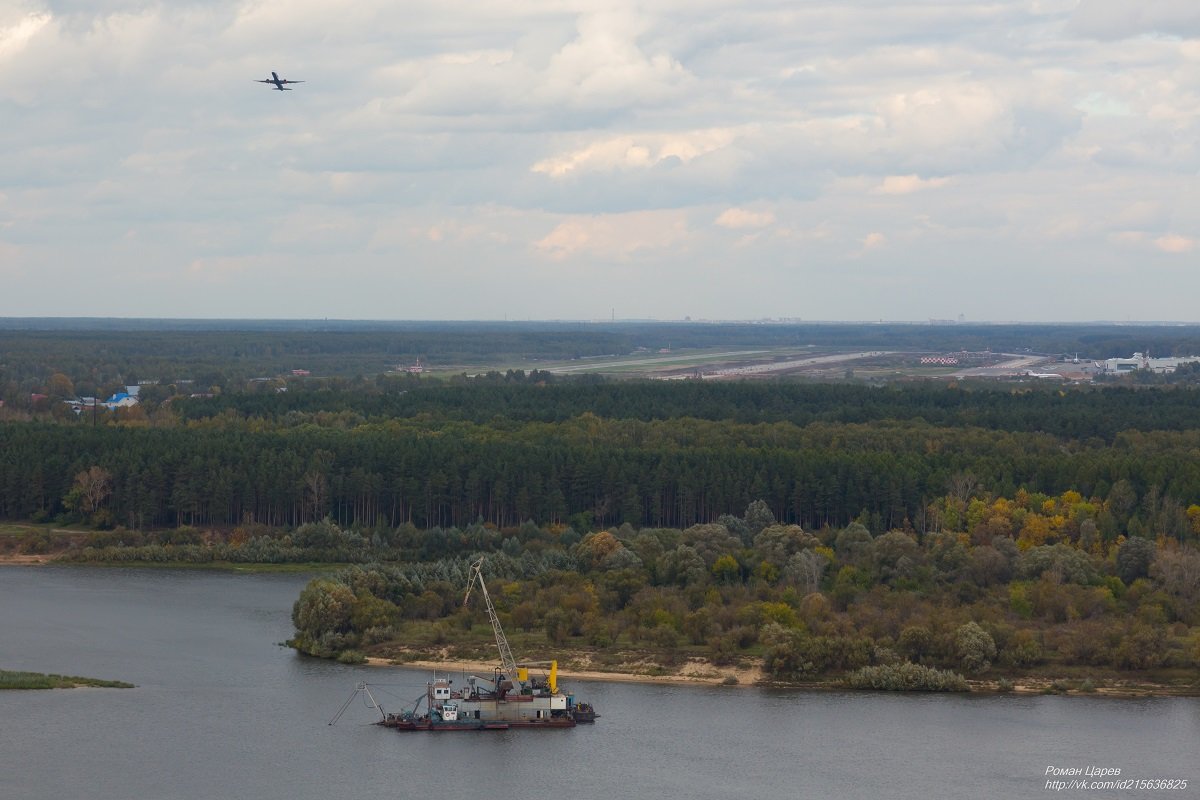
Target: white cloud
x=907, y=184
x=1175, y=244
x=17, y=35
x=614, y=236
x=635, y=152
x=745, y=218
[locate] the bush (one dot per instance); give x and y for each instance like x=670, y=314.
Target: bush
x=793, y=654
x=1023, y=650
x=907, y=677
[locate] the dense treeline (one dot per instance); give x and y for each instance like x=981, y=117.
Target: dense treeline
x=586, y=470
x=1077, y=414
x=221, y=357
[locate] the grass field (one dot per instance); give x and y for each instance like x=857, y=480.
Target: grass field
x=10, y=679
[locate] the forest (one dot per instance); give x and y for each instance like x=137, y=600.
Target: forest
x=903, y=534
x=1010, y=588
x=595, y=455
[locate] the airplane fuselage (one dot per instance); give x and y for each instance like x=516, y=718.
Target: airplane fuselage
x=277, y=82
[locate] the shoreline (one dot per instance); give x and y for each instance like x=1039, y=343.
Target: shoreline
x=697, y=673
x=24, y=559
x=746, y=676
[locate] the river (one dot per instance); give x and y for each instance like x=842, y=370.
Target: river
x=222, y=711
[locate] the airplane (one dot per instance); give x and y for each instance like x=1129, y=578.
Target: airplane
x=278, y=82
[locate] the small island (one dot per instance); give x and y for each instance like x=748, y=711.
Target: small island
x=12, y=679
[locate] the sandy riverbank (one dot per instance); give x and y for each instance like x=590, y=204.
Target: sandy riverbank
x=694, y=672
x=702, y=673
x=24, y=559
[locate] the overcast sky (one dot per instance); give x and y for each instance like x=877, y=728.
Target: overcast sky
x=571, y=159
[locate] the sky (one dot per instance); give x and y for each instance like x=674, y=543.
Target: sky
x=1011, y=160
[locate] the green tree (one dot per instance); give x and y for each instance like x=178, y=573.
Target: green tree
x=758, y=516
x=974, y=647
x=1134, y=558
x=323, y=611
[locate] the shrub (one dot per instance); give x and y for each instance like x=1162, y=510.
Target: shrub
x=907, y=677
x=1023, y=650
x=351, y=657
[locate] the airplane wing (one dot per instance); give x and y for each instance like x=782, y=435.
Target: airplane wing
x=283, y=81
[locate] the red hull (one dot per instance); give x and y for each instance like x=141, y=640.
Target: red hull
x=406, y=725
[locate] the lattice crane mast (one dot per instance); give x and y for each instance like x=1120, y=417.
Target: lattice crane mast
x=508, y=664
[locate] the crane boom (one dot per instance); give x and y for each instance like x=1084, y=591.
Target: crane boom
x=507, y=663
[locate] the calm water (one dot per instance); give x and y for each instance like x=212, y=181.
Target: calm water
x=221, y=711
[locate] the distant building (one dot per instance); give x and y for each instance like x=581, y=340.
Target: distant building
x=1119, y=366
x=301, y=373
x=79, y=404
x=120, y=400
x=946, y=361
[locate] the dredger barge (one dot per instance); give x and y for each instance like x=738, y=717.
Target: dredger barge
x=511, y=697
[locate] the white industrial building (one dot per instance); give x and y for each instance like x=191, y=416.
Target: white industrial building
x=1142, y=361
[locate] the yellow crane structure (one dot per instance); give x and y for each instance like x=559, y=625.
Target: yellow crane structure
x=509, y=668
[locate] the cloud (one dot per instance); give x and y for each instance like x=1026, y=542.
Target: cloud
x=1175, y=244
x=16, y=36
x=461, y=150
x=907, y=184
x=613, y=236
x=635, y=152
x=1121, y=19
x=744, y=218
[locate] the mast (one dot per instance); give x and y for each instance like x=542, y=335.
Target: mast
x=507, y=664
